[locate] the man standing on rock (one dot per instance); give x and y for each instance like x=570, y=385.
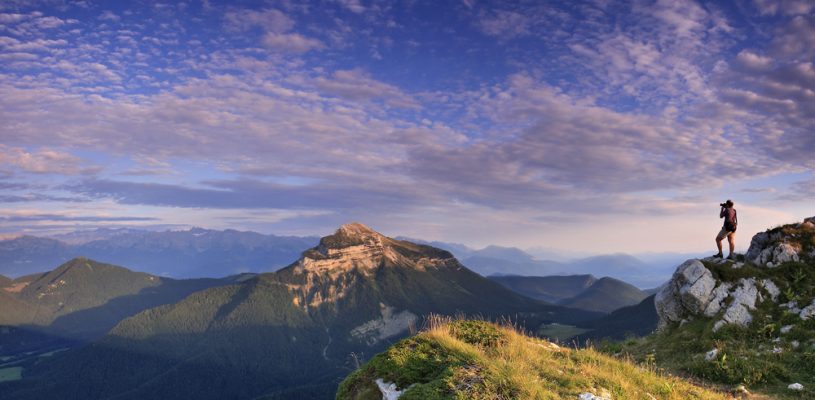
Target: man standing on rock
x=728, y=229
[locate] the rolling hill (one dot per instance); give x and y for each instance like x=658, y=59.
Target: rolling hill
x=552, y=289
x=606, y=295
x=79, y=301
x=577, y=291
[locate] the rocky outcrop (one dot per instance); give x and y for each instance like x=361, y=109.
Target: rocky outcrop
x=688, y=293
x=694, y=292
x=779, y=245
x=774, y=255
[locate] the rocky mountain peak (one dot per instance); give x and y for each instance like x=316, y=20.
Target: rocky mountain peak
x=355, y=245
x=351, y=235
x=356, y=229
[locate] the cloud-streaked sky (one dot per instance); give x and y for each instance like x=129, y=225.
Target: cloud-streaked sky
x=594, y=126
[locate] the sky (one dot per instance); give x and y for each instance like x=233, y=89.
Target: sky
x=568, y=126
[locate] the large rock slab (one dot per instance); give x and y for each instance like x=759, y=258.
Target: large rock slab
x=743, y=301
x=687, y=293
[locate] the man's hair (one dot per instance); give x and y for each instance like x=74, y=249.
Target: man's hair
x=729, y=203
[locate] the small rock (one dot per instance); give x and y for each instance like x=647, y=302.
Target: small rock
x=777, y=350
x=808, y=311
x=389, y=390
x=711, y=355
x=786, y=328
x=718, y=325
x=795, y=344
x=590, y=396
x=740, y=389
x=737, y=265
x=796, y=387
x=776, y=340
x=771, y=289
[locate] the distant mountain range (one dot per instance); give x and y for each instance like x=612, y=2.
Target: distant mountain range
x=577, y=291
x=289, y=334
x=498, y=260
x=198, y=252
x=193, y=253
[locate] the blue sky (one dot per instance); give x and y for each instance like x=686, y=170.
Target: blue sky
x=596, y=126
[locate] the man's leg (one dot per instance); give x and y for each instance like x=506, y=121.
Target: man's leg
x=731, y=239
x=719, y=238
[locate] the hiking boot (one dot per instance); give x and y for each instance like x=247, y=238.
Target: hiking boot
x=719, y=255
x=731, y=257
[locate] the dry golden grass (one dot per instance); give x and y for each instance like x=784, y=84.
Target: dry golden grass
x=503, y=363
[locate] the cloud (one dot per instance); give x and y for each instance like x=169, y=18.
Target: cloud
x=753, y=61
x=353, y=5
x=248, y=194
x=69, y=218
x=799, y=191
x=356, y=85
x=44, y=161
x=268, y=20
x=291, y=42
x=786, y=7
x=778, y=96
x=505, y=24
x=276, y=27
x=108, y=15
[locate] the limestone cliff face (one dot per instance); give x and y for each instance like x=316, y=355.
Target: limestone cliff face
x=355, y=246
x=355, y=253
x=730, y=291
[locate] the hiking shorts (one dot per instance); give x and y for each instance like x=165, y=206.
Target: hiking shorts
x=725, y=233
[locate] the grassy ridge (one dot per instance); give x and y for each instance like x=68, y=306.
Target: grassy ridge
x=469, y=359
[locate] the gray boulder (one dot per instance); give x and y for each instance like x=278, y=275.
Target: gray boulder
x=688, y=293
